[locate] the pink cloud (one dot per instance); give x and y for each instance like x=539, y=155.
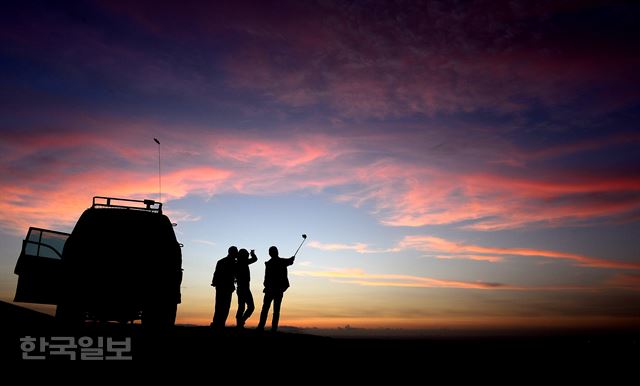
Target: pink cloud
x=291, y=153
x=489, y=258
x=447, y=249
x=60, y=203
x=408, y=195
x=356, y=247
x=437, y=245
x=360, y=277
x=118, y=158
x=56, y=174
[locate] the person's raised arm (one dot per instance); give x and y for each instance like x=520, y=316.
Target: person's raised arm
x=253, y=257
x=290, y=260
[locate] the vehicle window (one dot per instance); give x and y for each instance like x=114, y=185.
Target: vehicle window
x=34, y=235
x=45, y=243
x=55, y=241
x=31, y=249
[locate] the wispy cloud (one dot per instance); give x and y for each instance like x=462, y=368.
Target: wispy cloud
x=360, y=277
x=437, y=246
x=441, y=248
x=625, y=281
x=205, y=242
x=356, y=247
x=435, y=171
x=59, y=202
x=489, y=258
x=371, y=173
x=406, y=195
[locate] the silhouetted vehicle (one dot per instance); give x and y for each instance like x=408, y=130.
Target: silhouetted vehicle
x=121, y=262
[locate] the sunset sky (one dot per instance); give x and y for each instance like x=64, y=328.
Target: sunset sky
x=455, y=164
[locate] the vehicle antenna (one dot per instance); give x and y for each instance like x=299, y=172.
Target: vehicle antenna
x=159, y=172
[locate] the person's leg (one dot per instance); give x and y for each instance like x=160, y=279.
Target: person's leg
x=216, y=310
x=218, y=317
x=277, y=302
x=241, y=303
x=266, y=304
x=250, y=306
x=223, y=310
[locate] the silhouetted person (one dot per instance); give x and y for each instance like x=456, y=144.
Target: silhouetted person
x=275, y=283
x=223, y=280
x=243, y=277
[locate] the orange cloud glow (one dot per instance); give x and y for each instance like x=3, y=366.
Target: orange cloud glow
x=399, y=193
x=491, y=259
x=498, y=202
x=360, y=277
x=62, y=203
x=446, y=249
x=292, y=153
x=356, y=247
x=439, y=245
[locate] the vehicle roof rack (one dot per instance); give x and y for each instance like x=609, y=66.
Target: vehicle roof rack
x=126, y=203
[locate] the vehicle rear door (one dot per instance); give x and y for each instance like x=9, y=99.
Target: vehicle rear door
x=39, y=266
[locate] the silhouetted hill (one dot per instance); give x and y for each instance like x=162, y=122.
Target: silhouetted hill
x=14, y=316
x=250, y=351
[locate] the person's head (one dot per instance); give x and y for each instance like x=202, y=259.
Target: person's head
x=273, y=251
x=243, y=254
x=233, y=251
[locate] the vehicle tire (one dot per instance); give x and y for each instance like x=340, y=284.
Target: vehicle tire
x=69, y=314
x=159, y=316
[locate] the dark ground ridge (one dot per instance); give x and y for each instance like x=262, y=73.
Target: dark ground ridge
x=232, y=347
